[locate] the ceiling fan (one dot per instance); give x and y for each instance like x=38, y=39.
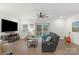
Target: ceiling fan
x=42, y=15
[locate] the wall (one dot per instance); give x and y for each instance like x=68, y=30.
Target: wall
x=62, y=26
x=24, y=21
x=58, y=26
x=74, y=35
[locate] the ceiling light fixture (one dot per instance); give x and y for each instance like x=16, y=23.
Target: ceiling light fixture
x=42, y=15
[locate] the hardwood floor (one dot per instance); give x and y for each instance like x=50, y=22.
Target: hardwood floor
x=20, y=48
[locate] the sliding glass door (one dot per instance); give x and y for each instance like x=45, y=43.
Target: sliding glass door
x=41, y=28
x=38, y=29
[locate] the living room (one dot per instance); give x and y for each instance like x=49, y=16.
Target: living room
x=32, y=22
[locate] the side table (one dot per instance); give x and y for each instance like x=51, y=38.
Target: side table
x=5, y=49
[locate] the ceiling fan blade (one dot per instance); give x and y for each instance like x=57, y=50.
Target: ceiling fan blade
x=44, y=14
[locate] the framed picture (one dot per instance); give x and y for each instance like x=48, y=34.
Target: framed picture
x=75, y=26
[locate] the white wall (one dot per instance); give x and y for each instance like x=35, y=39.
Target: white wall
x=63, y=26
x=74, y=35
x=24, y=21
x=58, y=26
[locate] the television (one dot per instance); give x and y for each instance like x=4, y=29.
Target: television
x=8, y=26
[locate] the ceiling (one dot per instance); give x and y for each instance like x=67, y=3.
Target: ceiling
x=30, y=9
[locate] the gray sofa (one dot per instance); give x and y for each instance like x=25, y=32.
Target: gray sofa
x=51, y=45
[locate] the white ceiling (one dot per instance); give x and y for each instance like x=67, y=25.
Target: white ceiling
x=30, y=9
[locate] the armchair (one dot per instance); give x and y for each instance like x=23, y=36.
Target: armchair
x=50, y=46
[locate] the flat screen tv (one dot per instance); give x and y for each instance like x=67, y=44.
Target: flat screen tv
x=8, y=26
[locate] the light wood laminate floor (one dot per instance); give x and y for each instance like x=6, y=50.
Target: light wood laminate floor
x=20, y=48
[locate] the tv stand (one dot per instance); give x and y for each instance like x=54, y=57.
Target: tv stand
x=11, y=37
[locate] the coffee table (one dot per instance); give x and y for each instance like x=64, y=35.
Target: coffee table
x=32, y=42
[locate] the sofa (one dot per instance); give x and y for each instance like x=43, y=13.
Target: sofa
x=49, y=42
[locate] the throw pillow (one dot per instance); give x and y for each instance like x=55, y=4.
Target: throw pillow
x=44, y=37
x=48, y=38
